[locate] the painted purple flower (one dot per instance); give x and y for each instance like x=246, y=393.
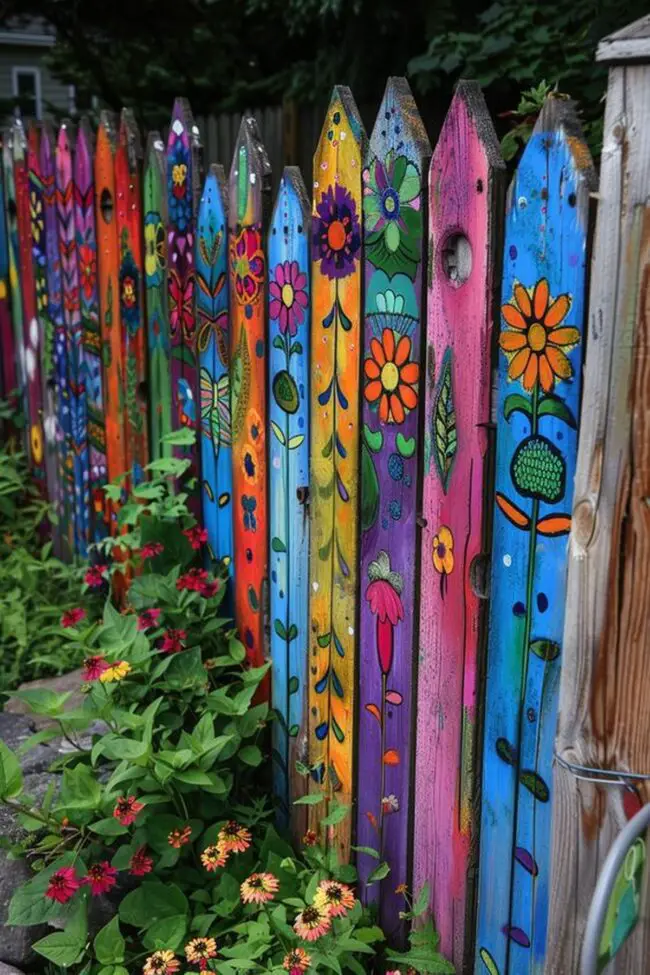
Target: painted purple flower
x=336, y=233
x=247, y=262
x=384, y=597
x=288, y=291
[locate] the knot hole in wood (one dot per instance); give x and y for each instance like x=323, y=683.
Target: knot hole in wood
x=456, y=256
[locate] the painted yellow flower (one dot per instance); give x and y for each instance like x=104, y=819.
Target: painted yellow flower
x=36, y=217
x=443, y=551
x=36, y=441
x=179, y=174
x=115, y=672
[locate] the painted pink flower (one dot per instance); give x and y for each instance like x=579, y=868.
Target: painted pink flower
x=72, y=617
x=62, y=885
x=384, y=597
x=101, y=878
x=151, y=549
x=196, y=536
x=148, y=619
x=94, y=667
x=172, y=641
x=289, y=298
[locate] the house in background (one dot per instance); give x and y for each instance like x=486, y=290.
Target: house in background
x=25, y=80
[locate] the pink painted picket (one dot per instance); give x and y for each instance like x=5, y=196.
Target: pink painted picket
x=462, y=196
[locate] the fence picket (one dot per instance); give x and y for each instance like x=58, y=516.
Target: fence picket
x=84, y=214
x=9, y=374
x=336, y=350
x=213, y=343
x=14, y=262
x=155, y=275
x=289, y=334
x=540, y=367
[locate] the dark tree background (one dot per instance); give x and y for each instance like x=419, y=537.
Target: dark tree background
x=234, y=54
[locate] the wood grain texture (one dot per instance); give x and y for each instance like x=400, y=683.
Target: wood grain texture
x=249, y=188
x=58, y=419
x=213, y=344
x=31, y=333
x=394, y=222
x=464, y=192
x=604, y=719
x=131, y=294
x=9, y=372
x=108, y=254
x=540, y=366
x=336, y=357
x=86, y=237
x=289, y=335
x=154, y=205
x=183, y=189
x=76, y=377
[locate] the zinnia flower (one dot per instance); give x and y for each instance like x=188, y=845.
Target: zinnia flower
x=72, y=617
x=384, y=597
x=313, y=922
x=151, y=549
x=288, y=296
x=193, y=580
x=94, y=667
x=115, y=672
x=140, y=863
x=196, y=536
x=62, y=885
x=210, y=589
x=296, y=961
x=161, y=963
x=172, y=641
x=234, y=838
x=126, y=809
x=214, y=857
x=310, y=838
x=101, y=878
x=338, y=897
x=391, y=380
x=200, y=950
x=94, y=577
x=179, y=837
x=148, y=619
x=259, y=888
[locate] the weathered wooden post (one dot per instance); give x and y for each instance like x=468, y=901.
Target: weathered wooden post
x=602, y=775
x=16, y=306
x=8, y=369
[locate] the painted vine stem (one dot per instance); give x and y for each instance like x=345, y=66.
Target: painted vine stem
x=84, y=214
x=289, y=333
x=336, y=351
x=463, y=194
x=155, y=276
x=394, y=212
x=249, y=187
x=76, y=376
x=213, y=346
x=540, y=367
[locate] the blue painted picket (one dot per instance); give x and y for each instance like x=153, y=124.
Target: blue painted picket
x=540, y=363
x=289, y=327
x=211, y=262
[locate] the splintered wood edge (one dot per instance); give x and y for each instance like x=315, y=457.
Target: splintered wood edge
x=219, y=173
x=108, y=122
x=249, y=135
x=400, y=89
x=560, y=113
x=129, y=137
x=344, y=95
x=472, y=95
x=18, y=138
x=631, y=43
x=293, y=177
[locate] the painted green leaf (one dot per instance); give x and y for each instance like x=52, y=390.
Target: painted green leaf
x=293, y=730
x=405, y=447
x=506, y=751
x=296, y=348
x=285, y=391
x=445, y=439
x=278, y=433
x=535, y=784
x=292, y=632
x=294, y=684
x=326, y=490
x=369, y=489
x=295, y=442
x=278, y=545
x=545, y=649
x=324, y=640
x=374, y=439
x=327, y=449
x=278, y=343
x=338, y=731
x=554, y=406
x=324, y=550
x=278, y=626
x=516, y=402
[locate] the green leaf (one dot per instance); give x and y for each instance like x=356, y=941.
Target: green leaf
x=151, y=902
x=11, y=776
x=109, y=944
x=108, y=827
x=295, y=442
x=311, y=800
x=554, y=406
x=515, y=402
x=193, y=777
x=337, y=815
x=378, y=874
x=80, y=788
x=278, y=433
x=545, y=649
x=43, y=701
x=278, y=545
x=444, y=435
x=250, y=755
x=369, y=935
x=167, y=933
x=183, y=437
x=278, y=626
x=421, y=902
x=294, y=685
x=368, y=850
x=65, y=947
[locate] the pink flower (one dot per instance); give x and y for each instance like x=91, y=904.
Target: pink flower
x=101, y=878
x=148, y=619
x=94, y=667
x=288, y=292
x=126, y=809
x=140, y=864
x=384, y=597
x=210, y=589
x=63, y=884
x=172, y=641
x=151, y=549
x=72, y=617
x=193, y=580
x=94, y=577
x=196, y=536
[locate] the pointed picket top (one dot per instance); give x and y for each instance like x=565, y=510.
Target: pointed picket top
x=213, y=342
x=18, y=140
x=249, y=187
x=335, y=418
x=462, y=203
x=289, y=337
x=129, y=137
x=84, y=147
x=541, y=348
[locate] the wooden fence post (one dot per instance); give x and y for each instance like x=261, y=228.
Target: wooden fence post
x=289, y=334
x=183, y=190
x=541, y=348
x=394, y=221
x=249, y=188
x=84, y=214
x=9, y=373
x=108, y=279
x=155, y=275
x=14, y=262
x=336, y=356
x=58, y=421
x=604, y=721
x=464, y=194
x=213, y=343
x=72, y=319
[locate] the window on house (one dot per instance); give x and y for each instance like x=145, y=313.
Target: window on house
x=27, y=91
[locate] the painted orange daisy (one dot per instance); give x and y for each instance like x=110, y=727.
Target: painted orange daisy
x=161, y=963
x=391, y=379
x=313, y=922
x=297, y=961
x=536, y=343
x=199, y=951
x=234, y=838
x=338, y=897
x=259, y=888
x=214, y=857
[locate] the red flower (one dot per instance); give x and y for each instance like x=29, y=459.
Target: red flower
x=210, y=588
x=126, y=809
x=140, y=864
x=148, y=619
x=172, y=641
x=179, y=837
x=384, y=596
x=181, y=303
x=194, y=580
x=100, y=878
x=151, y=549
x=310, y=838
x=87, y=270
x=196, y=536
x=72, y=617
x=63, y=884
x=94, y=667
x=94, y=577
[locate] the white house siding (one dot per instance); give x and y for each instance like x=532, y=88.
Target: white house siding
x=54, y=94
